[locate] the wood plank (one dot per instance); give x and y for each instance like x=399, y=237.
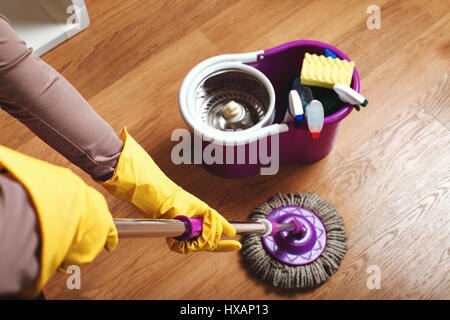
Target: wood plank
x=244, y=25
x=122, y=35
x=12, y=132
x=396, y=83
x=437, y=101
x=392, y=192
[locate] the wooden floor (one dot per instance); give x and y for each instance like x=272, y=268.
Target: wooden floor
x=388, y=175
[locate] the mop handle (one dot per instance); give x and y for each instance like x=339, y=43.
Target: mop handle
x=184, y=228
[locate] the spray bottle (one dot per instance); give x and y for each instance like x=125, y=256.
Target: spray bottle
x=315, y=116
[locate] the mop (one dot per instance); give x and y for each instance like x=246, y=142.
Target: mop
x=303, y=257
x=291, y=241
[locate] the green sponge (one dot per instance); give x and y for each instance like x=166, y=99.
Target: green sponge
x=329, y=99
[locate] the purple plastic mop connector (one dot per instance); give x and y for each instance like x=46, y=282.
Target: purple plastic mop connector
x=300, y=228
x=300, y=246
x=193, y=227
x=275, y=228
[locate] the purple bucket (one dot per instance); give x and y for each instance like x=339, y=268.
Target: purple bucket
x=280, y=65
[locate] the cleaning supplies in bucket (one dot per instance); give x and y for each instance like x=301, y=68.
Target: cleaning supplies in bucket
x=326, y=72
x=318, y=76
x=323, y=73
x=327, y=79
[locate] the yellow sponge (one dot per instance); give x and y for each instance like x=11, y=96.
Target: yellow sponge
x=325, y=72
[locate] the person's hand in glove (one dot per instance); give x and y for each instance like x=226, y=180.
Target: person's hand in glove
x=74, y=220
x=139, y=180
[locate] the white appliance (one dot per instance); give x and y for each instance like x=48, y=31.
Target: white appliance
x=44, y=24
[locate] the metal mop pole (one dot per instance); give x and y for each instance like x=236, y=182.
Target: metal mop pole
x=151, y=228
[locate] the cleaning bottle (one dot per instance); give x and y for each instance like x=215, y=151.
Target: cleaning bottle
x=298, y=98
x=315, y=116
x=296, y=107
x=349, y=95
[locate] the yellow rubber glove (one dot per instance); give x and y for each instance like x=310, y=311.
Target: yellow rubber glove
x=139, y=180
x=75, y=223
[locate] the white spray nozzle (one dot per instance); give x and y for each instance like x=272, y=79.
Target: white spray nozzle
x=315, y=117
x=349, y=95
